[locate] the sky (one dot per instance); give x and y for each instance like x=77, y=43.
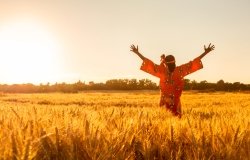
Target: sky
x=89, y=40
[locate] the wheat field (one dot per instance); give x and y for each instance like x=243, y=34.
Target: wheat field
x=123, y=125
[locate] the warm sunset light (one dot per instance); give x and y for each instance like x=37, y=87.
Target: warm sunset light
x=29, y=52
x=131, y=79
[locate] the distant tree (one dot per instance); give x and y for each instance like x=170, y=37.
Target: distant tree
x=187, y=85
x=150, y=85
x=91, y=83
x=133, y=84
x=220, y=85
x=236, y=86
x=142, y=83
x=203, y=85
x=79, y=86
x=193, y=85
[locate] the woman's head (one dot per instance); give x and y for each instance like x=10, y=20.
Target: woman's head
x=170, y=61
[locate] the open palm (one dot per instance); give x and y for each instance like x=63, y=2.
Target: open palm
x=209, y=48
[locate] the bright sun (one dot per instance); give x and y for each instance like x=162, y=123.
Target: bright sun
x=28, y=53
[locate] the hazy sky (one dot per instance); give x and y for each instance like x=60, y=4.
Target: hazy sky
x=71, y=40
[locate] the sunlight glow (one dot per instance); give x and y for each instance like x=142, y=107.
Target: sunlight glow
x=28, y=53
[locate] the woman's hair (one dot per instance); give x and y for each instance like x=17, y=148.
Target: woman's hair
x=170, y=61
x=170, y=58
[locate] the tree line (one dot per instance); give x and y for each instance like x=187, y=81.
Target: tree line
x=119, y=84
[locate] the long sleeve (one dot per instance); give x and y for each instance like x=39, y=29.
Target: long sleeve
x=151, y=68
x=190, y=67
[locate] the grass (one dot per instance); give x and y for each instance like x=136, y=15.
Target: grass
x=125, y=125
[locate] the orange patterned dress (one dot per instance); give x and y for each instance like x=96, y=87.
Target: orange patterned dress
x=171, y=84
